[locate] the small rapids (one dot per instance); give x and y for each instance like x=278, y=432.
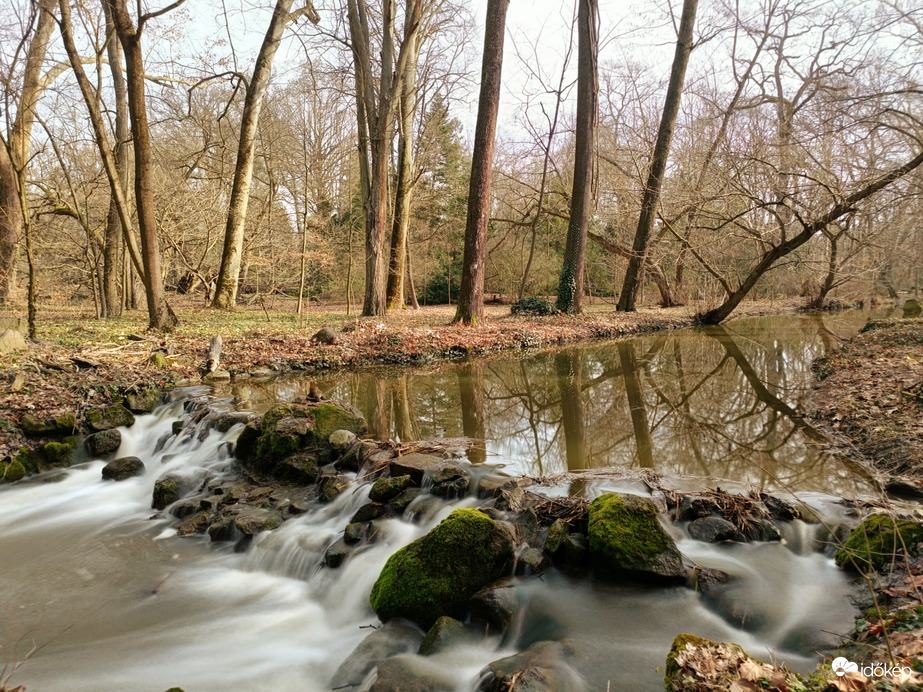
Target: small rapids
x=117, y=601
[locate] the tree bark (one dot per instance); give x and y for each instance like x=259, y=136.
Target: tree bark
x=471, y=294
x=111, y=301
x=229, y=273
x=400, y=227
x=570, y=286
x=651, y=198
x=11, y=221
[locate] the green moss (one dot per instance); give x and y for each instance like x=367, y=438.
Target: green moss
x=329, y=417
x=29, y=459
x=876, y=542
x=108, y=417
x=57, y=453
x=274, y=415
x=385, y=489
x=624, y=534
x=12, y=471
x=437, y=574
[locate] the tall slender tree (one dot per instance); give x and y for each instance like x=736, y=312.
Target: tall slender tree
x=229, y=274
x=471, y=294
x=570, y=287
x=651, y=198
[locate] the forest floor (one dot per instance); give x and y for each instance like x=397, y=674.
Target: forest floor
x=871, y=395
x=79, y=361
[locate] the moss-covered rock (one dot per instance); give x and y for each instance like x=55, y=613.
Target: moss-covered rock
x=108, y=417
x=30, y=460
x=445, y=633
x=437, y=574
x=876, y=542
x=123, y=469
x=61, y=426
x=56, y=454
x=626, y=536
x=540, y=668
x=143, y=401
x=386, y=489
x=11, y=471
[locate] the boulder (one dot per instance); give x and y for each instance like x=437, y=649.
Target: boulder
x=326, y=336
x=540, y=668
x=167, y=490
x=386, y=489
x=252, y=521
x=437, y=574
x=416, y=465
x=143, y=401
x=449, y=482
x=11, y=341
x=11, y=471
x=104, y=442
x=219, y=375
x=409, y=674
x=445, y=633
x=695, y=663
x=341, y=440
x=123, y=468
x=370, y=511
x=696, y=506
x=877, y=541
x=496, y=605
x=390, y=639
x=57, y=454
x=302, y=468
x=330, y=487
x=532, y=561
x=62, y=426
x=108, y=417
x=912, y=308
x=712, y=530
x=625, y=536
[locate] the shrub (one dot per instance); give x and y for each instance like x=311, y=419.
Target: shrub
x=533, y=306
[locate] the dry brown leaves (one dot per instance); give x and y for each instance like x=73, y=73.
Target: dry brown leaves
x=716, y=666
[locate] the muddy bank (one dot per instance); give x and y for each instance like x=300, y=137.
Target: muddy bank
x=870, y=395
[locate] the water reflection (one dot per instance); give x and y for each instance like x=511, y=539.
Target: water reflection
x=720, y=402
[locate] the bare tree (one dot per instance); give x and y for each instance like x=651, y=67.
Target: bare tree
x=570, y=287
x=471, y=297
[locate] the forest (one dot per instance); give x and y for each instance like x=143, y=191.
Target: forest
x=692, y=155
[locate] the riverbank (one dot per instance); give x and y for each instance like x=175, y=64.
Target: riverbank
x=871, y=397
x=79, y=362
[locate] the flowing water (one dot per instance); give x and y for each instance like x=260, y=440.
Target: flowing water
x=116, y=601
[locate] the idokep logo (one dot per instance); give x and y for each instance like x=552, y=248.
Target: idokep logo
x=841, y=666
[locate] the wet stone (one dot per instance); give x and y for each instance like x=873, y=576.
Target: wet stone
x=123, y=468
x=532, y=561
x=370, y=511
x=195, y=523
x=386, y=489
x=104, y=442
x=329, y=488
x=354, y=533
x=335, y=555
x=712, y=530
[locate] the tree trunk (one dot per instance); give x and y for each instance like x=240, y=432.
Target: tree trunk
x=11, y=221
x=644, y=443
x=471, y=294
x=112, y=302
x=229, y=274
x=570, y=286
x=569, y=371
x=651, y=198
x=471, y=397
x=402, y=200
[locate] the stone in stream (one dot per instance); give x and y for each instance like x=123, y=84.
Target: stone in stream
x=410, y=674
x=449, y=482
x=496, y=605
x=437, y=574
x=386, y=489
x=123, y=468
x=390, y=639
x=877, y=542
x=61, y=426
x=626, y=537
x=697, y=663
x=446, y=632
x=166, y=491
x=104, y=442
x=540, y=668
x=712, y=530
x=416, y=465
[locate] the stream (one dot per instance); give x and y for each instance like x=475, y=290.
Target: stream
x=116, y=601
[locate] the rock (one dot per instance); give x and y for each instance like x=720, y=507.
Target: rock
x=56, y=454
x=709, y=581
x=445, y=633
x=166, y=490
x=557, y=534
x=355, y=533
x=143, y=401
x=301, y=468
x=626, y=536
x=702, y=664
x=876, y=541
x=246, y=444
x=526, y=525
x=194, y=523
x=762, y=530
x=370, y=511
x=408, y=674
x=905, y=488
x=912, y=308
x=16, y=323
x=696, y=506
x=532, y=561
x=326, y=336
x=779, y=508
x=223, y=530
x=226, y=421
x=712, y=530
x=437, y=574
x=386, y=489
x=449, y=482
x=416, y=465
x=540, y=668
x=341, y=440
x=575, y=550
x=335, y=555
x=108, y=417
x=123, y=469
x=62, y=426
x=105, y=442
x=330, y=487
x=11, y=471
x=11, y=341
x=219, y=375
x=390, y=639
x=496, y=605
x=252, y=521
x=400, y=503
